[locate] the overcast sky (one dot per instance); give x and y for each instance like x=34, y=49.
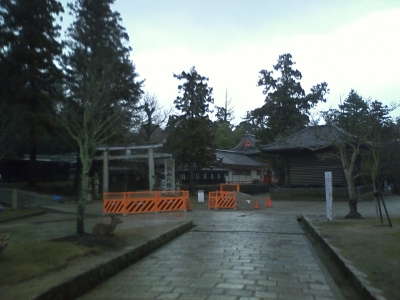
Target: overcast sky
x=349, y=44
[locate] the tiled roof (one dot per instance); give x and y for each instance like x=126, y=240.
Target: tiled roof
x=230, y=158
x=247, y=146
x=311, y=137
x=213, y=168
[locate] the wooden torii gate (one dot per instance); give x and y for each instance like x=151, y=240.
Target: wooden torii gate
x=150, y=156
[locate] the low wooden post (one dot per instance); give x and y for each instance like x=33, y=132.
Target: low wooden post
x=105, y=171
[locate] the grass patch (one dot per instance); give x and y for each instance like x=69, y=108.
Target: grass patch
x=374, y=250
x=26, y=260
x=11, y=214
x=23, y=261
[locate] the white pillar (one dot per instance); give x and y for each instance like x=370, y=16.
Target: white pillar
x=105, y=171
x=151, y=168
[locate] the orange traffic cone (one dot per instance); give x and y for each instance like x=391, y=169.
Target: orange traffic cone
x=256, y=204
x=269, y=202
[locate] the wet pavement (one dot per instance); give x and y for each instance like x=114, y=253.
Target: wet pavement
x=229, y=254
x=256, y=254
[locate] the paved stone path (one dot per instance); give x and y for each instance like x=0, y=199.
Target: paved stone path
x=228, y=255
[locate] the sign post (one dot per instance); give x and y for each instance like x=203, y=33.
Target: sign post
x=328, y=193
x=169, y=175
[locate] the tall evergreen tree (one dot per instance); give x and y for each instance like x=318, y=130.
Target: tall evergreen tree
x=101, y=86
x=28, y=49
x=351, y=114
x=227, y=137
x=287, y=106
x=192, y=138
x=196, y=95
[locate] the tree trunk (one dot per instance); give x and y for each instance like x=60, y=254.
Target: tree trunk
x=80, y=225
x=78, y=172
x=191, y=179
x=32, y=182
x=378, y=211
x=353, y=213
x=84, y=190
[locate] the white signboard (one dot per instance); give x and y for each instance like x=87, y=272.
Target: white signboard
x=328, y=193
x=200, y=195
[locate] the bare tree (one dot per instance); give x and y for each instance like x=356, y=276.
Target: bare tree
x=370, y=124
x=90, y=124
x=347, y=151
x=101, y=87
x=153, y=116
x=225, y=113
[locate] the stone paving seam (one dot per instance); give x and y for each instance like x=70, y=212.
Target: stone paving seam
x=77, y=286
x=357, y=278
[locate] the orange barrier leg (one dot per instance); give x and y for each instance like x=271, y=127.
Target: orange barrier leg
x=269, y=202
x=256, y=204
x=188, y=208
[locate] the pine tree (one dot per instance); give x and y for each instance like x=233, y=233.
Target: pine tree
x=28, y=49
x=287, y=106
x=192, y=138
x=351, y=114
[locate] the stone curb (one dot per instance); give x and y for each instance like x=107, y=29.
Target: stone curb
x=77, y=286
x=357, y=279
